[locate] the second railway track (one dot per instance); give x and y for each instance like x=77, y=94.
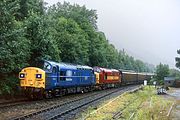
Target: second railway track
x=58, y=111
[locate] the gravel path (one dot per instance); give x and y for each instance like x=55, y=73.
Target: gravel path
x=175, y=95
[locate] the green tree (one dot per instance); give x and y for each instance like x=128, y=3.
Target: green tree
x=174, y=73
x=71, y=41
x=120, y=59
x=86, y=21
x=40, y=34
x=97, y=51
x=162, y=71
x=85, y=18
x=178, y=59
x=14, y=47
x=29, y=6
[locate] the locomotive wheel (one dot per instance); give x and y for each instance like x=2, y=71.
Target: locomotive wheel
x=48, y=95
x=82, y=91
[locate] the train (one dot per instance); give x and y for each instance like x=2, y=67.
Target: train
x=51, y=79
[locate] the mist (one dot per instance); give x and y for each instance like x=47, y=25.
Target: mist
x=146, y=29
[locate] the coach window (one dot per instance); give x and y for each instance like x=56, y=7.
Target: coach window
x=63, y=75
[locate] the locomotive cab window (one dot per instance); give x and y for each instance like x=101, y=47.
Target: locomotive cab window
x=54, y=70
x=92, y=71
x=47, y=66
x=63, y=75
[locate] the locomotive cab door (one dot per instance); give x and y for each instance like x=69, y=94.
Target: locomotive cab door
x=55, y=75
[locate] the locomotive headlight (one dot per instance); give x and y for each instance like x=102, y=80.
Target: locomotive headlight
x=21, y=75
x=39, y=76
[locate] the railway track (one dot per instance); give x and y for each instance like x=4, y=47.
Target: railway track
x=59, y=110
x=13, y=103
x=4, y=105
x=117, y=115
x=9, y=104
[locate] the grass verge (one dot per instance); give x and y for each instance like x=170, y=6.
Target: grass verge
x=141, y=105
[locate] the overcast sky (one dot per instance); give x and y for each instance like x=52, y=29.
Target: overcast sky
x=147, y=29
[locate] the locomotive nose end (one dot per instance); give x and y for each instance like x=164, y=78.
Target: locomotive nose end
x=32, y=77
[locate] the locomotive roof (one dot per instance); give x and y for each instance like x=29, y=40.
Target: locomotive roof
x=68, y=65
x=106, y=69
x=123, y=70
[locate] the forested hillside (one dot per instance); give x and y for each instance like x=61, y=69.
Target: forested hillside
x=63, y=32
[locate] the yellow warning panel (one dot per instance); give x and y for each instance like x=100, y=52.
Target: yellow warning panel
x=32, y=77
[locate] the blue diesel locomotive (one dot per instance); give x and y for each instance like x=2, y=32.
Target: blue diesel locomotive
x=55, y=79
